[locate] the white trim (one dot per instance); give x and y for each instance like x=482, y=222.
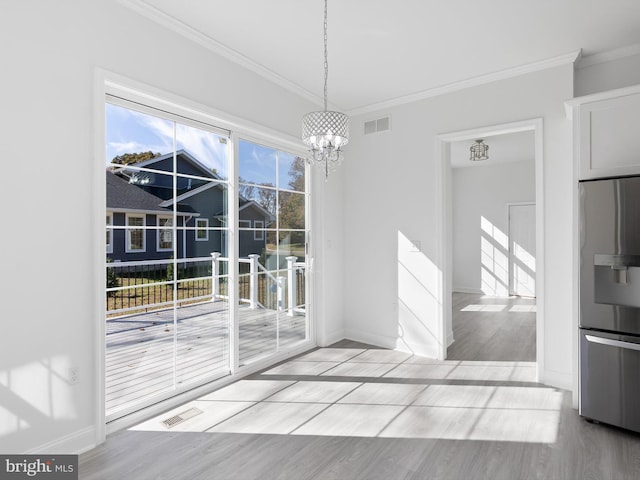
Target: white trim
x=568, y=58
x=556, y=379
x=209, y=43
x=109, y=223
x=369, y=338
x=75, y=443
x=162, y=228
x=608, y=56
x=463, y=289
x=571, y=104
x=244, y=223
x=393, y=343
x=444, y=222
x=99, y=206
x=258, y=230
x=128, y=228
x=200, y=228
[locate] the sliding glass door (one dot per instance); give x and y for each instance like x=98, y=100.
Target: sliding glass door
x=169, y=325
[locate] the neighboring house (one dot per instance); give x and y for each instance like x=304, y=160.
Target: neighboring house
x=145, y=199
x=130, y=212
x=253, y=215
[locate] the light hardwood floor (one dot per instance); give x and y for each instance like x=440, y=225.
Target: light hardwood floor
x=354, y=411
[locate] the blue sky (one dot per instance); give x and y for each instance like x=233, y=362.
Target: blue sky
x=129, y=131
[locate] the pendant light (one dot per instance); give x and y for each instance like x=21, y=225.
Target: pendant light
x=325, y=132
x=479, y=151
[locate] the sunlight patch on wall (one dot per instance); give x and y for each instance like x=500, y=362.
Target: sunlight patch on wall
x=36, y=393
x=524, y=271
x=494, y=258
x=419, y=300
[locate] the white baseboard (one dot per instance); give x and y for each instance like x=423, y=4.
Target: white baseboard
x=393, y=343
x=560, y=380
x=332, y=338
x=73, y=444
x=420, y=349
x=370, y=338
x=475, y=291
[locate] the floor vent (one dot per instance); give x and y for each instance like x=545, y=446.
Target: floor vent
x=378, y=125
x=181, y=417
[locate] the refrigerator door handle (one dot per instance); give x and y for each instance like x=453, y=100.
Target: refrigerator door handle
x=612, y=343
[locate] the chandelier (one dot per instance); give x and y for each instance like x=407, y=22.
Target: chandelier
x=479, y=151
x=325, y=132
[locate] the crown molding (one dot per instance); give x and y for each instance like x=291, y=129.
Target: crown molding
x=565, y=59
x=152, y=13
x=608, y=56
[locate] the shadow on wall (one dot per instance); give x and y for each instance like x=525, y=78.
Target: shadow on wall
x=419, y=312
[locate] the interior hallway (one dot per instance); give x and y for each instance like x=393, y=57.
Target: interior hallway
x=354, y=411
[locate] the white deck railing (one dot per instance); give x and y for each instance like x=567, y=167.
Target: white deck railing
x=286, y=286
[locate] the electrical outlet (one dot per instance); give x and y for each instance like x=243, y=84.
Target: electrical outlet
x=74, y=375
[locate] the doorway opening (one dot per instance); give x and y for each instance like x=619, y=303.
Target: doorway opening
x=491, y=219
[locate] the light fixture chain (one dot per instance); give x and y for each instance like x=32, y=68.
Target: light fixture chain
x=326, y=57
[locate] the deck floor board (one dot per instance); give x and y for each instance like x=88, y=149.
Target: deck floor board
x=140, y=348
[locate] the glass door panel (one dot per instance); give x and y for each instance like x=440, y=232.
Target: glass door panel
x=167, y=307
x=272, y=209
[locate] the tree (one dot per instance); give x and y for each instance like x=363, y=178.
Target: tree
x=267, y=197
x=129, y=158
x=292, y=211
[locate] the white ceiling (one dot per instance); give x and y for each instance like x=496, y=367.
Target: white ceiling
x=383, y=50
x=511, y=147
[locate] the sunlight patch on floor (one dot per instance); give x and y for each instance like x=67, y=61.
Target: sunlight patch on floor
x=483, y=308
x=385, y=393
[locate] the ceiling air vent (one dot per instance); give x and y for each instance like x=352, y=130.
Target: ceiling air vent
x=378, y=125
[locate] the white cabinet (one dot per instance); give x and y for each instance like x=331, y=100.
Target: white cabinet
x=606, y=129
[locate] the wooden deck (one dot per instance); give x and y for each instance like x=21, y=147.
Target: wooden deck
x=142, y=351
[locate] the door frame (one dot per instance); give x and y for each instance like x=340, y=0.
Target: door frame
x=107, y=82
x=509, y=205
x=444, y=226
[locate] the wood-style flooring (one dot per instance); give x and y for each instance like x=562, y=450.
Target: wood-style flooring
x=354, y=411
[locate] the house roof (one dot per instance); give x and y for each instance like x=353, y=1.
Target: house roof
x=121, y=195
x=186, y=157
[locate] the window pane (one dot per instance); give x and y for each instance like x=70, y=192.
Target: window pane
x=257, y=164
x=134, y=137
x=205, y=152
x=292, y=210
x=165, y=235
x=291, y=244
x=291, y=170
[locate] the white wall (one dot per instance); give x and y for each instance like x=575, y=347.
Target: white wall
x=484, y=192
x=391, y=200
x=49, y=52
x=606, y=75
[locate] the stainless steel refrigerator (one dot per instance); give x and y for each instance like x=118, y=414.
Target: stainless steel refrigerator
x=610, y=301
